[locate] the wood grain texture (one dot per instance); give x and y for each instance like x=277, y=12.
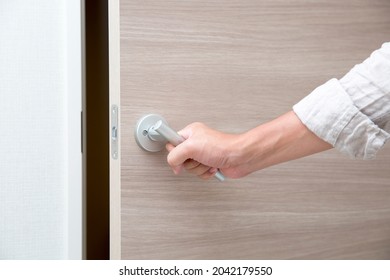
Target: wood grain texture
x=233, y=65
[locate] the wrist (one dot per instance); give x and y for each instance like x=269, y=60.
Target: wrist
x=246, y=152
x=258, y=145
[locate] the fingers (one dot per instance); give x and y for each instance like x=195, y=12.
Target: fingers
x=176, y=169
x=191, y=164
x=179, y=154
x=169, y=147
x=180, y=157
x=208, y=174
x=193, y=167
x=198, y=169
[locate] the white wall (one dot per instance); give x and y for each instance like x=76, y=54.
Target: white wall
x=40, y=104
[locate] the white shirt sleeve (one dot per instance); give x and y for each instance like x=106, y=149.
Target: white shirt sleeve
x=353, y=113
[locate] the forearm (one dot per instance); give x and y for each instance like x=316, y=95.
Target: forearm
x=277, y=141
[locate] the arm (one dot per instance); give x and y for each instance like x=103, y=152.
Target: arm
x=351, y=114
x=277, y=141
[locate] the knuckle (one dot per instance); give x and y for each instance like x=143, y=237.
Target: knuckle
x=197, y=125
x=170, y=160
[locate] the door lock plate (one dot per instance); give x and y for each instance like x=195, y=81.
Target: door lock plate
x=114, y=132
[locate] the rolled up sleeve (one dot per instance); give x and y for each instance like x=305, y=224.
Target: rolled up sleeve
x=353, y=113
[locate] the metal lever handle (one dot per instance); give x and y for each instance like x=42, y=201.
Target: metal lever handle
x=168, y=133
x=174, y=138
x=152, y=132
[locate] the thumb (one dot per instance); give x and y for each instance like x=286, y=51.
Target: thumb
x=185, y=132
x=179, y=154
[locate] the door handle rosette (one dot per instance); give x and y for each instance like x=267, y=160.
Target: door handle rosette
x=152, y=132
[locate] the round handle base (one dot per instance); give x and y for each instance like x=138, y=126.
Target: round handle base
x=141, y=133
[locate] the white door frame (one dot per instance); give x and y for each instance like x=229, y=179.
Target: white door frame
x=115, y=161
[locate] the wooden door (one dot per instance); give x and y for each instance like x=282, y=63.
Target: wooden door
x=234, y=65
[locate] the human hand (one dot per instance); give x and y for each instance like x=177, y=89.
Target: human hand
x=204, y=152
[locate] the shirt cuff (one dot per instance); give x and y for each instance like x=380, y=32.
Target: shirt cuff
x=330, y=114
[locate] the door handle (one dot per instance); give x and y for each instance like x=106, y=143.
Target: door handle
x=152, y=132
